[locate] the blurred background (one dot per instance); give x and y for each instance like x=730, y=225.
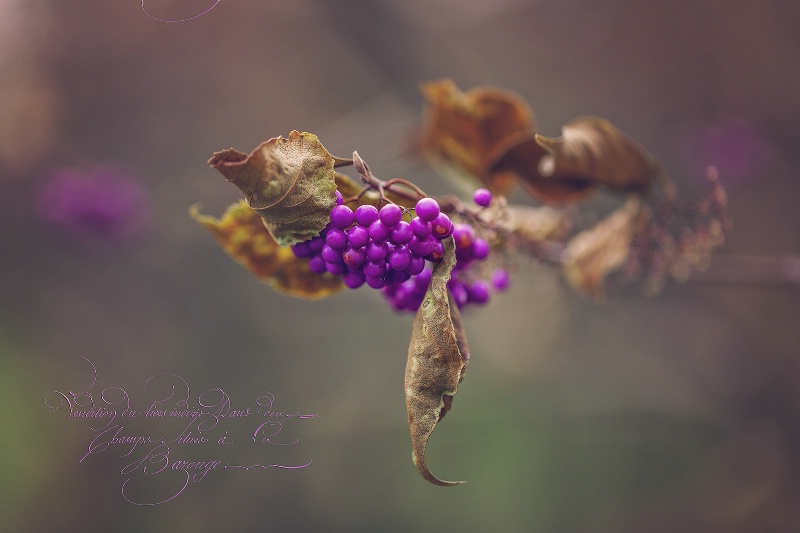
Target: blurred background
x=679, y=412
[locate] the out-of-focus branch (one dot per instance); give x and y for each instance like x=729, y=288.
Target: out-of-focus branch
x=751, y=269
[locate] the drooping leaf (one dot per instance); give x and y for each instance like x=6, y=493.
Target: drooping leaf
x=242, y=234
x=437, y=359
x=289, y=182
x=468, y=131
x=593, y=254
x=593, y=151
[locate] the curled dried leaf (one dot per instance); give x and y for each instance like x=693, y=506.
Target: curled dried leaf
x=467, y=131
x=290, y=183
x=242, y=234
x=437, y=359
x=600, y=250
x=591, y=151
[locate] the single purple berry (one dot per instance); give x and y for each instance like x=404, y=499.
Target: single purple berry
x=354, y=257
x=399, y=258
x=442, y=226
x=377, y=251
x=317, y=265
x=391, y=214
x=301, y=249
x=375, y=282
x=416, y=265
x=500, y=279
x=427, y=209
x=482, y=197
x=358, y=236
x=463, y=235
x=379, y=232
x=397, y=276
x=336, y=239
x=354, y=279
x=331, y=255
x=366, y=215
x=336, y=268
x=422, y=247
x=316, y=244
x=420, y=228
x=342, y=217
x=339, y=198
x=480, y=249
x=478, y=292
x=401, y=233
x=375, y=269
x=423, y=279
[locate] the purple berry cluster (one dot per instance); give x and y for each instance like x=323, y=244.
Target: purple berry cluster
x=465, y=285
x=377, y=247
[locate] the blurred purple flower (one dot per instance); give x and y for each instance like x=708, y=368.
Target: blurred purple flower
x=105, y=201
x=735, y=147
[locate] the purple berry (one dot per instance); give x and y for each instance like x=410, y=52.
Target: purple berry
x=478, y=292
x=480, y=249
x=422, y=247
x=416, y=265
x=391, y=214
x=317, y=265
x=331, y=255
x=358, y=236
x=401, y=233
x=459, y=292
x=366, y=215
x=375, y=282
x=316, y=244
x=420, y=228
x=342, y=217
x=354, y=279
x=482, y=197
x=427, y=209
x=339, y=198
x=377, y=251
x=463, y=235
x=301, y=249
x=442, y=226
x=399, y=258
x=500, y=279
x=397, y=276
x=375, y=269
x=336, y=268
x=354, y=257
x=437, y=253
x=336, y=239
x=378, y=232
x=423, y=279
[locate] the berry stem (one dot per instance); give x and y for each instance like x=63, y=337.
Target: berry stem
x=372, y=182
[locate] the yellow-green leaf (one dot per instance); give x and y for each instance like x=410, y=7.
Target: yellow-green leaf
x=242, y=234
x=437, y=359
x=289, y=182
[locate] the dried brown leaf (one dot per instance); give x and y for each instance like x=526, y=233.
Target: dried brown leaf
x=592, y=151
x=536, y=223
x=467, y=131
x=289, y=182
x=600, y=250
x=242, y=234
x=437, y=359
